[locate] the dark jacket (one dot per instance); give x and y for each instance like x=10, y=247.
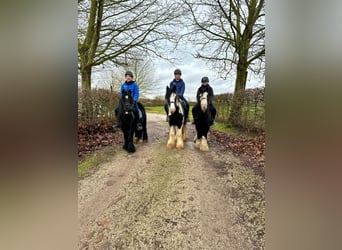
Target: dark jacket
x=203, y=89
x=133, y=87
x=180, y=86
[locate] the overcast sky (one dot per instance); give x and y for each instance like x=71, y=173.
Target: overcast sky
x=192, y=71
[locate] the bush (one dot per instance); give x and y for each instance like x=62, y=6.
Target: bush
x=97, y=105
x=252, y=116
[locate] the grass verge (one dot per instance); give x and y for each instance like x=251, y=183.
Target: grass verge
x=88, y=165
x=85, y=165
x=155, y=110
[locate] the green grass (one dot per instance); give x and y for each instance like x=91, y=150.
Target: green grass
x=156, y=110
x=225, y=128
x=92, y=161
x=84, y=166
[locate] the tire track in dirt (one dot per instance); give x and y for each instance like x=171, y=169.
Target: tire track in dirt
x=171, y=199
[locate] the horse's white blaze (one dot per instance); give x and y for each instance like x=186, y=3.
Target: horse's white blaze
x=204, y=101
x=172, y=103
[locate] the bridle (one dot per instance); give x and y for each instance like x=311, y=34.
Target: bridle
x=127, y=104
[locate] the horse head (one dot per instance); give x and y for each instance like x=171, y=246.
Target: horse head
x=204, y=101
x=127, y=102
x=172, y=98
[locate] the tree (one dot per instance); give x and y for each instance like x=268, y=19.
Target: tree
x=121, y=30
x=230, y=35
x=142, y=71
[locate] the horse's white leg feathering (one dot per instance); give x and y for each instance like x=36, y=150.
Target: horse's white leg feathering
x=204, y=144
x=172, y=137
x=180, y=143
x=184, y=134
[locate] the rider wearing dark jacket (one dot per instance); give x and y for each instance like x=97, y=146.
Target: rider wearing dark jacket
x=205, y=87
x=180, y=88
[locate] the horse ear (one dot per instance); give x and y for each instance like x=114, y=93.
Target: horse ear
x=173, y=88
x=129, y=92
x=124, y=91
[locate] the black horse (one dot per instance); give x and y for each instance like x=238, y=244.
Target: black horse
x=177, y=121
x=129, y=121
x=202, y=119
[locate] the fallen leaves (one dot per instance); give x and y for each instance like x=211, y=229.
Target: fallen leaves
x=252, y=149
x=92, y=137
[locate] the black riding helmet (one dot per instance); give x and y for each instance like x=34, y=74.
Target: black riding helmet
x=205, y=79
x=177, y=71
x=129, y=73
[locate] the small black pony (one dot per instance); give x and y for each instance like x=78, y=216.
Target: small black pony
x=129, y=120
x=202, y=118
x=177, y=122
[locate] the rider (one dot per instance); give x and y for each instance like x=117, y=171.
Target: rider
x=205, y=87
x=180, y=88
x=131, y=85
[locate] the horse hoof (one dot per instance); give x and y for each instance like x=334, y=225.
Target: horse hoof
x=145, y=141
x=169, y=146
x=136, y=140
x=204, y=148
x=131, y=150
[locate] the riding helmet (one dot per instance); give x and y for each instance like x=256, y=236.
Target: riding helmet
x=177, y=71
x=129, y=73
x=205, y=79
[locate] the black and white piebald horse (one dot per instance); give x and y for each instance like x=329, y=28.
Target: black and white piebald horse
x=202, y=119
x=176, y=119
x=129, y=120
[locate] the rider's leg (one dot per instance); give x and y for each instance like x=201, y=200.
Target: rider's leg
x=213, y=113
x=139, y=114
x=186, y=111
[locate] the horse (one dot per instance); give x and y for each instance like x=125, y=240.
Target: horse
x=177, y=122
x=129, y=120
x=202, y=119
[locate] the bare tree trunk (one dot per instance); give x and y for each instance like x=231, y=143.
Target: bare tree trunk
x=86, y=77
x=87, y=48
x=238, y=99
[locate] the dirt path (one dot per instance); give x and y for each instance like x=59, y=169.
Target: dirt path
x=171, y=199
